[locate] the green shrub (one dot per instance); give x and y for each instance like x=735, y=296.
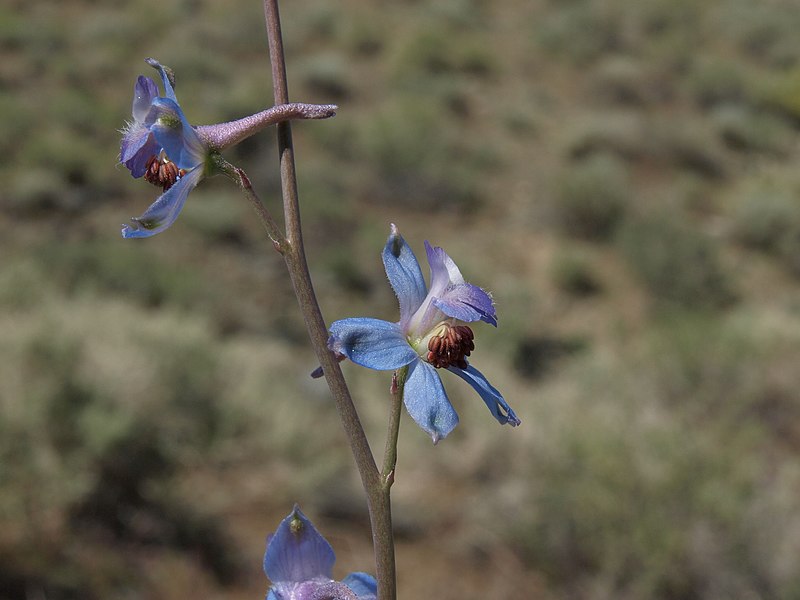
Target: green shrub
x=121, y=269
x=765, y=32
x=780, y=92
x=326, y=77
x=414, y=165
x=430, y=51
x=746, y=130
x=649, y=482
x=620, y=133
x=592, y=197
x=574, y=273
x=712, y=80
x=766, y=215
x=624, y=80
x=688, y=144
x=678, y=265
x=581, y=32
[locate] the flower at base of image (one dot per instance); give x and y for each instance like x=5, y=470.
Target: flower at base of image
x=299, y=563
x=430, y=335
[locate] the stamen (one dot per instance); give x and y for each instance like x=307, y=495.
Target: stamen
x=450, y=347
x=161, y=171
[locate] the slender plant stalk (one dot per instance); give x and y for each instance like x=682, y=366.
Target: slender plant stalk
x=378, y=499
x=267, y=222
x=390, y=454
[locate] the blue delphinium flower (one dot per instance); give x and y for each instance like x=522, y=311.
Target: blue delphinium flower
x=429, y=336
x=161, y=146
x=299, y=563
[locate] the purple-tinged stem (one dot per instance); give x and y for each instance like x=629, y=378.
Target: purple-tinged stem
x=378, y=499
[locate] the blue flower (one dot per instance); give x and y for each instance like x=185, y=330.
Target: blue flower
x=299, y=563
x=161, y=146
x=429, y=336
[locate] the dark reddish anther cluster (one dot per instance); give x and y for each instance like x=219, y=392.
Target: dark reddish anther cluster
x=162, y=173
x=451, y=348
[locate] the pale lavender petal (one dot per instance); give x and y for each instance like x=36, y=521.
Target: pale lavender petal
x=405, y=276
x=371, y=343
x=363, y=584
x=427, y=402
x=163, y=212
x=493, y=399
x=144, y=92
x=441, y=266
x=137, y=148
x=176, y=136
x=297, y=552
x=311, y=590
x=467, y=302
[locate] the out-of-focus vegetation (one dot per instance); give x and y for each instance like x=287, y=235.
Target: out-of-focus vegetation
x=622, y=175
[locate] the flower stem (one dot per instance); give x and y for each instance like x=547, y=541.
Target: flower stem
x=270, y=226
x=390, y=453
x=378, y=500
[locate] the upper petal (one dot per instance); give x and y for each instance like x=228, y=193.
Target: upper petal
x=163, y=212
x=145, y=91
x=493, y=399
x=444, y=271
x=177, y=137
x=404, y=273
x=363, y=584
x=467, y=302
x=297, y=552
x=371, y=343
x=427, y=402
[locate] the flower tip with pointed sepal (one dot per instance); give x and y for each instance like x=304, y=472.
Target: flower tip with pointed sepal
x=299, y=563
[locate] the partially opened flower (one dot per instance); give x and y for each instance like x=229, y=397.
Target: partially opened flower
x=430, y=335
x=164, y=148
x=161, y=146
x=299, y=563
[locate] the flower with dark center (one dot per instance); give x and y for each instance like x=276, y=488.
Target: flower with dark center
x=162, y=147
x=430, y=335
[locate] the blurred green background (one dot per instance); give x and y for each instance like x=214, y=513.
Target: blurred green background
x=623, y=176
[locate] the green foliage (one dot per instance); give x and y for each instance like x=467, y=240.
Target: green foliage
x=781, y=93
x=678, y=265
x=747, y=130
x=414, y=165
x=657, y=484
x=713, y=80
x=154, y=396
x=432, y=53
x=573, y=272
x=580, y=33
x=592, y=197
x=114, y=267
x=766, y=213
